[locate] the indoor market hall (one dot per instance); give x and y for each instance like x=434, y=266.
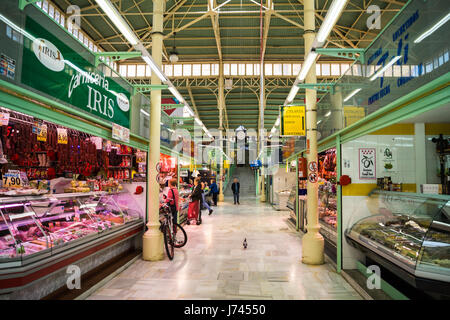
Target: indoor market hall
x=224, y=158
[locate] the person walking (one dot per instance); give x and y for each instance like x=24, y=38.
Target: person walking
x=214, y=191
x=204, y=202
x=196, y=197
x=173, y=199
x=235, y=188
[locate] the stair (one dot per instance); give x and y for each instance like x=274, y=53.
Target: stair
x=246, y=178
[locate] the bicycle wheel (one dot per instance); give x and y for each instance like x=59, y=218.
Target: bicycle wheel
x=180, y=236
x=168, y=242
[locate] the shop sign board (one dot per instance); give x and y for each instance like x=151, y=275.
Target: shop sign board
x=120, y=133
x=410, y=51
x=367, y=163
x=51, y=66
x=293, y=120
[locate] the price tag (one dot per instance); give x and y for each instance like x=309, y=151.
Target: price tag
x=42, y=136
x=62, y=136
x=12, y=179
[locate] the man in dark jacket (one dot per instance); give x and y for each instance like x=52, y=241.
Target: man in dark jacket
x=235, y=188
x=214, y=191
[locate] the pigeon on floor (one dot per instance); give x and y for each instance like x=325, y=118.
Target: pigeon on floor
x=245, y=243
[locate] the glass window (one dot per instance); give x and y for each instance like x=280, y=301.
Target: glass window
x=287, y=69
x=75, y=33
x=428, y=67
x=57, y=16
x=187, y=70
x=86, y=41
x=215, y=69
x=168, y=70
x=177, y=70
x=69, y=27
x=326, y=69
x=51, y=11
x=397, y=71
x=234, y=69
x=296, y=68
x=196, y=69
x=140, y=71
x=108, y=72
x=406, y=72
x=226, y=69
x=242, y=69
x=114, y=66
x=39, y=4
x=80, y=37
x=95, y=48
x=206, y=69
x=62, y=21
x=335, y=71
x=277, y=69
x=318, y=73
x=131, y=70
x=445, y=56
x=148, y=71
x=91, y=46
x=45, y=6
x=441, y=60
x=123, y=70
x=257, y=67
x=356, y=70
x=268, y=69
x=249, y=69
x=344, y=67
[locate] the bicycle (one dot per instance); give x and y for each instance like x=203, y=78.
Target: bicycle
x=172, y=237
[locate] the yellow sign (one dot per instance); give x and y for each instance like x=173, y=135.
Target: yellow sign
x=62, y=135
x=293, y=121
x=42, y=136
x=353, y=114
x=226, y=164
x=12, y=179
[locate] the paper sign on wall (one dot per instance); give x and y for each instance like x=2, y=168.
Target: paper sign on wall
x=120, y=133
x=42, y=136
x=388, y=158
x=62, y=136
x=367, y=163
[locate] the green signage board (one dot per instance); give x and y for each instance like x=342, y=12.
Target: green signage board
x=51, y=66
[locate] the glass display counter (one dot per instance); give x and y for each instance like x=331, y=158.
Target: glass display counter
x=35, y=227
x=411, y=231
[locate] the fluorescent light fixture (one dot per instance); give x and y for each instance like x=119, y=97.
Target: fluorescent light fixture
x=118, y=21
x=439, y=24
x=198, y=121
x=154, y=67
x=292, y=94
x=145, y=113
x=382, y=70
x=318, y=122
x=352, y=94
x=310, y=58
x=16, y=27
x=176, y=94
x=333, y=14
x=277, y=123
x=215, y=9
x=188, y=110
x=328, y=114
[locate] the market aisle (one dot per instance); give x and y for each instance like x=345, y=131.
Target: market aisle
x=214, y=265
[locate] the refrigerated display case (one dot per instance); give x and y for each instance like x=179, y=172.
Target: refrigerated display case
x=409, y=232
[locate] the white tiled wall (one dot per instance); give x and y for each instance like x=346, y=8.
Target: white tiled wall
x=402, y=146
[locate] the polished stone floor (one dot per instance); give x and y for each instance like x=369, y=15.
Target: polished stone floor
x=214, y=265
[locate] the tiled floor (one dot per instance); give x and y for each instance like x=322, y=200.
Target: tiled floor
x=214, y=265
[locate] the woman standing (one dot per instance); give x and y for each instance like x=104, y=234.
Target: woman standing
x=196, y=197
